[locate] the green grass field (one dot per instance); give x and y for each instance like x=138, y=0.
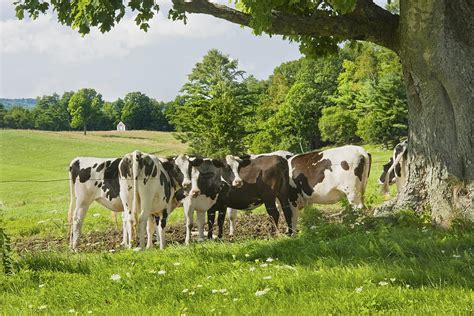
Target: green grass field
x=359, y=266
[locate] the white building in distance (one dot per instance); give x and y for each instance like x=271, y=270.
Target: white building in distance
x=121, y=127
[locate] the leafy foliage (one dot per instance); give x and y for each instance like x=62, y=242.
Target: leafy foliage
x=83, y=106
x=214, y=103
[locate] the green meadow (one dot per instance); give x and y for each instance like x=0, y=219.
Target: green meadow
x=401, y=265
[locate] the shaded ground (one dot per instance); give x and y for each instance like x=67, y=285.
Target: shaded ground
x=256, y=226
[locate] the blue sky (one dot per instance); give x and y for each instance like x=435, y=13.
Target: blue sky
x=42, y=57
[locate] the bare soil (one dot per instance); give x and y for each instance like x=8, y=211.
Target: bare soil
x=248, y=226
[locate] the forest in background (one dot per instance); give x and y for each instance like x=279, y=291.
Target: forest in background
x=355, y=96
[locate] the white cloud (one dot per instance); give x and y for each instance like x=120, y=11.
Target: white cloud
x=46, y=36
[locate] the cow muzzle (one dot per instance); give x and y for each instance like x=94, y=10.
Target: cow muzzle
x=195, y=193
x=237, y=183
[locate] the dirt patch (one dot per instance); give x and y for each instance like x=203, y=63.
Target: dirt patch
x=249, y=226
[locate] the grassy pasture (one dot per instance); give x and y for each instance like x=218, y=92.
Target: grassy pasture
x=368, y=266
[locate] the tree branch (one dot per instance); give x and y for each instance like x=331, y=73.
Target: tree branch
x=367, y=22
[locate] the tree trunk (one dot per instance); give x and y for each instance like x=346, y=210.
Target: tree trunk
x=437, y=49
x=85, y=129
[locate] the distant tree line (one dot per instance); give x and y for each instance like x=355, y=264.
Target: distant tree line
x=356, y=96
x=86, y=110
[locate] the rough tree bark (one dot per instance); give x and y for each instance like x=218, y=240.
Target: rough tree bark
x=434, y=39
x=437, y=53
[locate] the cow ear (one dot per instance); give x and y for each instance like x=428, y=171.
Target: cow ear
x=218, y=163
x=245, y=162
x=195, y=161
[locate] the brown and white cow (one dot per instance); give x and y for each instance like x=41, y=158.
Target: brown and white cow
x=231, y=212
x=396, y=170
x=324, y=177
x=261, y=180
x=150, y=189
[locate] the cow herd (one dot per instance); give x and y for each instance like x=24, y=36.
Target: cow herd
x=147, y=188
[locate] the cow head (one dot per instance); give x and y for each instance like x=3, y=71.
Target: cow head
x=205, y=173
x=391, y=177
x=184, y=167
x=235, y=163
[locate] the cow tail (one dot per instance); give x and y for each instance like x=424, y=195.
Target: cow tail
x=72, y=203
x=135, y=170
x=367, y=166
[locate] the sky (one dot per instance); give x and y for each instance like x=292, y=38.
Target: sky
x=41, y=57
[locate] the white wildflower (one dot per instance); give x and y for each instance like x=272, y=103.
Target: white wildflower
x=393, y=279
x=72, y=310
x=264, y=265
x=222, y=290
x=257, y=260
x=199, y=285
x=115, y=277
x=112, y=250
x=267, y=277
x=209, y=277
x=214, y=291
x=162, y=272
x=128, y=274
x=383, y=283
x=234, y=257
x=442, y=251
x=41, y=285
x=192, y=293
x=252, y=269
x=247, y=255
x=456, y=256
x=289, y=267
x=235, y=299
x=96, y=215
x=313, y=227
x=151, y=271
x=270, y=259
x=177, y=264
x=359, y=289
x=89, y=312
x=41, y=307
x=185, y=291
x=407, y=286
x=262, y=292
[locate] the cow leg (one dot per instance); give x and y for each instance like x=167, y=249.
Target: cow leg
x=78, y=218
x=188, y=214
x=201, y=218
x=273, y=212
x=295, y=214
x=127, y=229
x=355, y=199
x=288, y=213
x=162, y=229
x=220, y=222
x=150, y=230
x=211, y=217
x=157, y=229
x=232, y=218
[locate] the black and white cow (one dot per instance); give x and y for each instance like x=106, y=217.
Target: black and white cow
x=324, y=177
x=91, y=179
x=150, y=189
x=214, y=187
x=396, y=170
x=97, y=179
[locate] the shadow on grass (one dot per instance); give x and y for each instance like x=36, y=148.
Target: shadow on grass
x=405, y=249
x=53, y=262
